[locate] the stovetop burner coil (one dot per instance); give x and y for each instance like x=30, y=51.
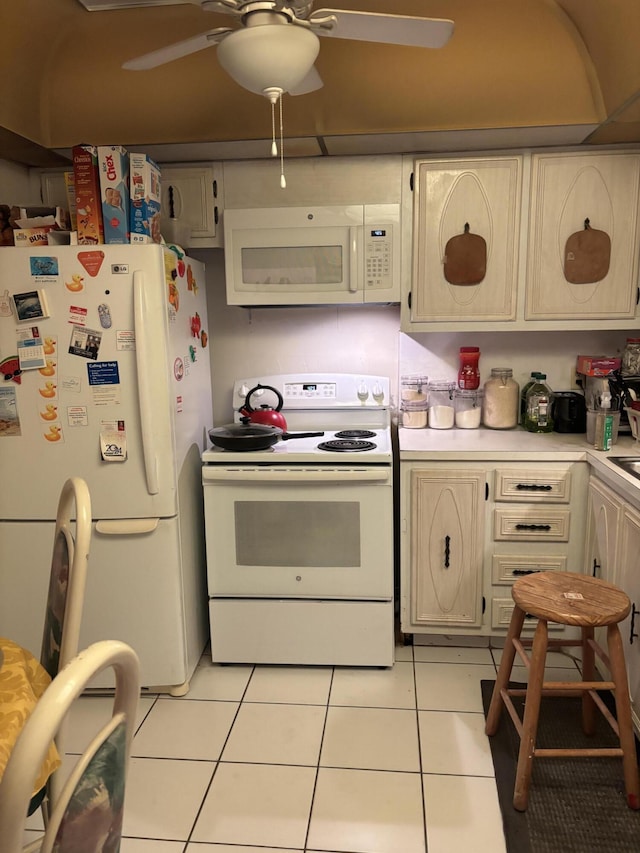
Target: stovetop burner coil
x=347, y=445
x=355, y=433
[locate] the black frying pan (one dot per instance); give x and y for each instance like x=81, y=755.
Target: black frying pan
x=252, y=436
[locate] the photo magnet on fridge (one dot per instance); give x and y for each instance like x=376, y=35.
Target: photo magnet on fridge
x=30, y=305
x=85, y=342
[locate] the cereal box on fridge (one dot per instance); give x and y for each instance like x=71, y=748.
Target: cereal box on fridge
x=113, y=166
x=144, y=190
x=87, y=190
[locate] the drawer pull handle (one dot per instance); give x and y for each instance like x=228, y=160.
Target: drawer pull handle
x=525, y=571
x=447, y=551
x=534, y=487
x=533, y=527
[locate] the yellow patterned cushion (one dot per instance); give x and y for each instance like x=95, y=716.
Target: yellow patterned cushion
x=22, y=682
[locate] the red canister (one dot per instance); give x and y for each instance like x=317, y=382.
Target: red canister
x=469, y=372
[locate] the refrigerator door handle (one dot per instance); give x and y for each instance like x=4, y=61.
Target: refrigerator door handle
x=144, y=395
x=126, y=526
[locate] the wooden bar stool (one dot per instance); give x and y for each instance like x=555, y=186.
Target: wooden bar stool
x=586, y=602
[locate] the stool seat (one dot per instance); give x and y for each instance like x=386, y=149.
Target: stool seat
x=586, y=603
x=571, y=599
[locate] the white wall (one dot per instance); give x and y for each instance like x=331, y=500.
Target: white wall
x=264, y=341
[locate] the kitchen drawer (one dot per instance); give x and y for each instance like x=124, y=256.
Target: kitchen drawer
x=533, y=485
x=501, y=610
x=531, y=524
x=507, y=568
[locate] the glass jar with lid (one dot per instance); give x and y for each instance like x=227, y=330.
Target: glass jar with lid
x=413, y=388
x=500, y=407
x=441, y=404
x=414, y=413
x=631, y=358
x=468, y=408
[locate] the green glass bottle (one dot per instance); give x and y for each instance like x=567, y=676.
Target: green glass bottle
x=538, y=406
x=523, y=394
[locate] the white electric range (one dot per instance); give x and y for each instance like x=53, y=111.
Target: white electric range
x=300, y=535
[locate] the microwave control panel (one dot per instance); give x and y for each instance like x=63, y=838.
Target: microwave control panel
x=381, y=230
x=377, y=256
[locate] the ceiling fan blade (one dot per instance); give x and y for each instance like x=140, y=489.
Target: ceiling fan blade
x=386, y=29
x=311, y=83
x=177, y=50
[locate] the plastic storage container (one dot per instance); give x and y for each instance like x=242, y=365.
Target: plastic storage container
x=537, y=417
x=469, y=372
x=441, y=404
x=468, y=409
x=501, y=399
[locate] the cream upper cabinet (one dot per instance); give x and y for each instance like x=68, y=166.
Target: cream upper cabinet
x=194, y=194
x=465, y=239
x=582, y=254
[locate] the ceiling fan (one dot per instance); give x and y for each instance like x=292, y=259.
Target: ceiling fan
x=274, y=48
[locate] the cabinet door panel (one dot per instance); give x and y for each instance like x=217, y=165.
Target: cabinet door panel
x=446, y=562
x=630, y=583
x=485, y=194
x=568, y=189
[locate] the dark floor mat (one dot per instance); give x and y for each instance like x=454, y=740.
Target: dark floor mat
x=575, y=805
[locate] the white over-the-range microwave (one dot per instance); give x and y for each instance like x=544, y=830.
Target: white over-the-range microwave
x=347, y=254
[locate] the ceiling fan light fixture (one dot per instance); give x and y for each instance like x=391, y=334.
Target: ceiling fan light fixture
x=268, y=57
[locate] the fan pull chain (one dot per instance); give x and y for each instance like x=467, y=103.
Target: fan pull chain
x=274, y=147
x=283, y=182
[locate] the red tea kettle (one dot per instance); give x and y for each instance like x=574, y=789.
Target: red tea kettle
x=265, y=414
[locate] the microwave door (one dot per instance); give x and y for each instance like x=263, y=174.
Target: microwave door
x=294, y=256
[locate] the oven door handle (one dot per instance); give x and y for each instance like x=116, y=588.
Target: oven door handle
x=216, y=474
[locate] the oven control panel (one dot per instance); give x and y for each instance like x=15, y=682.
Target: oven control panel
x=309, y=391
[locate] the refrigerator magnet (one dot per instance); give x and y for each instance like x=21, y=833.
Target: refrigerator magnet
x=9, y=419
x=5, y=304
x=30, y=305
x=85, y=342
x=113, y=441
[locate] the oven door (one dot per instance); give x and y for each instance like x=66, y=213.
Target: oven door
x=299, y=531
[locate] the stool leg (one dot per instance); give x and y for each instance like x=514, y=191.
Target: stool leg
x=588, y=674
x=531, y=714
x=504, y=671
x=623, y=713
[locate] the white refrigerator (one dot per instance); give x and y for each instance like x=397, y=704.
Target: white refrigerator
x=104, y=374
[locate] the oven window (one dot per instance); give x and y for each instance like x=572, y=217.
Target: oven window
x=292, y=265
x=297, y=533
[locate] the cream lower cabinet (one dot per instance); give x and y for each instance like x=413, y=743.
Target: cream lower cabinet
x=469, y=531
x=614, y=551
x=446, y=542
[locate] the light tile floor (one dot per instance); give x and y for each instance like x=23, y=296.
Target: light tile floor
x=271, y=759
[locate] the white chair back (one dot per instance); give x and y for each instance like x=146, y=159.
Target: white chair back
x=89, y=809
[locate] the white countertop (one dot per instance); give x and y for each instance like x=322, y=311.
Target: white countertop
x=518, y=445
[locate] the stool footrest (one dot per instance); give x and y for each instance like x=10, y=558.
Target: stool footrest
x=613, y=752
